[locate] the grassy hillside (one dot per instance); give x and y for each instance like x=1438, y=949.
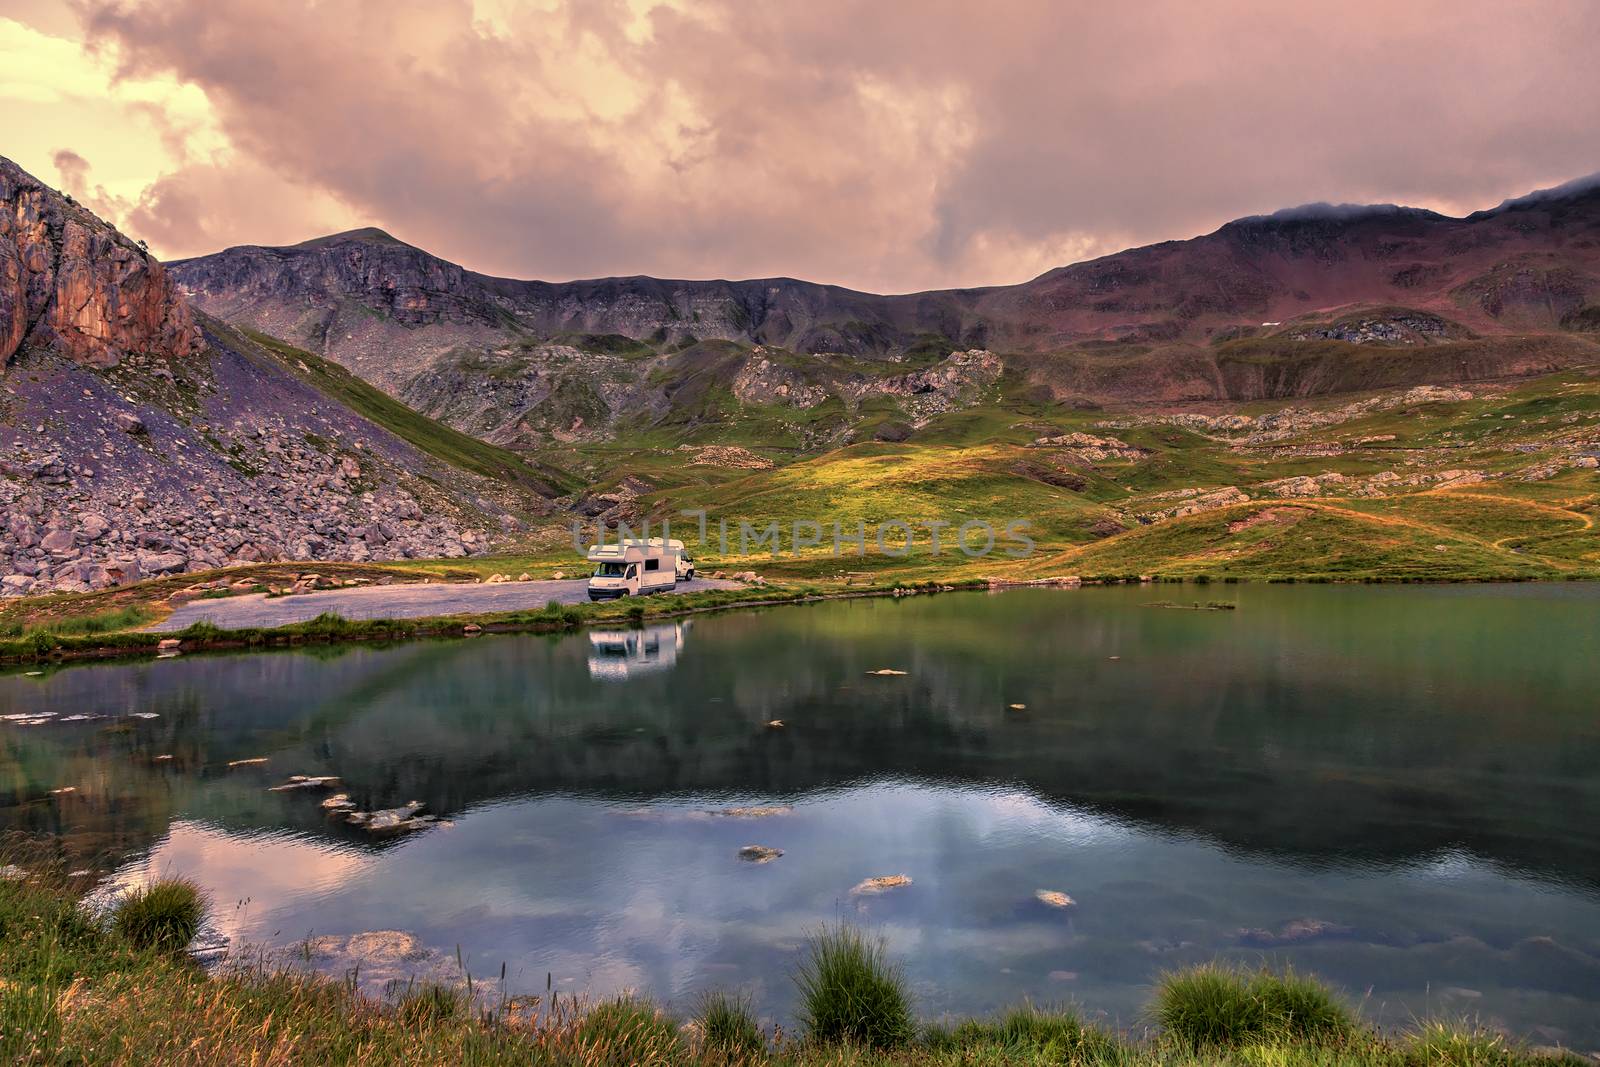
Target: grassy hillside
x=1450, y=486
x=438, y=440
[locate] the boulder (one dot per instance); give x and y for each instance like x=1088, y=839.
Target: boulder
x=128, y=422
x=57, y=541
x=22, y=531
x=162, y=562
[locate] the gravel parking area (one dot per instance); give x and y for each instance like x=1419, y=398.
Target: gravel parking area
x=393, y=602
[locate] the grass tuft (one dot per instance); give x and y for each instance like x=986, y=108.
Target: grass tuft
x=1214, y=1006
x=727, y=1026
x=1441, y=1044
x=628, y=1030
x=428, y=1005
x=850, y=993
x=163, y=916
x=1030, y=1033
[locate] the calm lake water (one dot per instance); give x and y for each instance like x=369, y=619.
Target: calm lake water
x=1397, y=788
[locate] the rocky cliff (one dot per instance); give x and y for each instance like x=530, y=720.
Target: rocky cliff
x=140, y=438
x=71, y=283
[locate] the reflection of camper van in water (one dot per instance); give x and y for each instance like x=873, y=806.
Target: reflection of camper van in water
x=620, y=654
x=633, y=568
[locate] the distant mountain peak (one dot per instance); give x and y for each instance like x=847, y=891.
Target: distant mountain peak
x=1322, y=211
x=1576, y=189
x=361, y=235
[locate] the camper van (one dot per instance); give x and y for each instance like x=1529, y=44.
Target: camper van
x=632, y=568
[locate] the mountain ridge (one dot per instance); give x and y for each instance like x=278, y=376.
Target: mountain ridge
x=1062, y=306
x=1307, y=300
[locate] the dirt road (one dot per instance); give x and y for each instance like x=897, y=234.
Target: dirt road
x=393, y=602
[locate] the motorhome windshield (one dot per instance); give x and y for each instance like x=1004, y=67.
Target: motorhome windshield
x=610, y=570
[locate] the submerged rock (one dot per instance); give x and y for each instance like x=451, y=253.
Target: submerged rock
x=881, y=884
x=759, y=853
x=339, y=802
x=756, y=812
x=1293, y=933
x=382, y=963
x=302, y=781
x=886, y=672
x=1054, y=898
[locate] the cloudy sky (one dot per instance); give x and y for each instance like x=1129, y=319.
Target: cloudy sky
x=885, y=146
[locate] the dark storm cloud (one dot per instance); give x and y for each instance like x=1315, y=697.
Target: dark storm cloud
x=882, y=146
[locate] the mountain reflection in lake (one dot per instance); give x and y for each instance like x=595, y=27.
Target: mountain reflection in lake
x=1393, y=787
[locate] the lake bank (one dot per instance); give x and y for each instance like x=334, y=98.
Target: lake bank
x=82, y=992
x=201, y=634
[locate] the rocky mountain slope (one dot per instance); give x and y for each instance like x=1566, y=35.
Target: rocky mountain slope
x=1304, y=302
x=138, y=437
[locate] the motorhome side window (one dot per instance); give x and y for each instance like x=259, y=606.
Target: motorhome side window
x=652, y=564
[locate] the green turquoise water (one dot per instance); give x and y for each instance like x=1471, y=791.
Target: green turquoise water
x=1397, y=788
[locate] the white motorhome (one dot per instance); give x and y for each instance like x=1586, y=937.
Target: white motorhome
x=632, y=568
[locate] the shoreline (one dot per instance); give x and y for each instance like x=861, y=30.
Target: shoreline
x=154, y=1001
x=206, y=637
x=334, y=629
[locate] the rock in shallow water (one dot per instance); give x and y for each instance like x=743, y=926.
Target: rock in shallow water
x=881, y=884
x=392, y=820
x=756, y=812
x=302, y=781
x=759, y=853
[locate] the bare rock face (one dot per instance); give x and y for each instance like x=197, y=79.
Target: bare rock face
x=139, y=438
x=71, y=283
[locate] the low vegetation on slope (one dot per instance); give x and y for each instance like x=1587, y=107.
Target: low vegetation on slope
x=1499, y=481
x=118, y=989
x=435, y=438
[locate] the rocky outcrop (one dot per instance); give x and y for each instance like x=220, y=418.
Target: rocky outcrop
x=955, y=381
x=140, y=439
x=1089, y=449
x=1289, y=422
x=71, y=283
x=763, y=381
